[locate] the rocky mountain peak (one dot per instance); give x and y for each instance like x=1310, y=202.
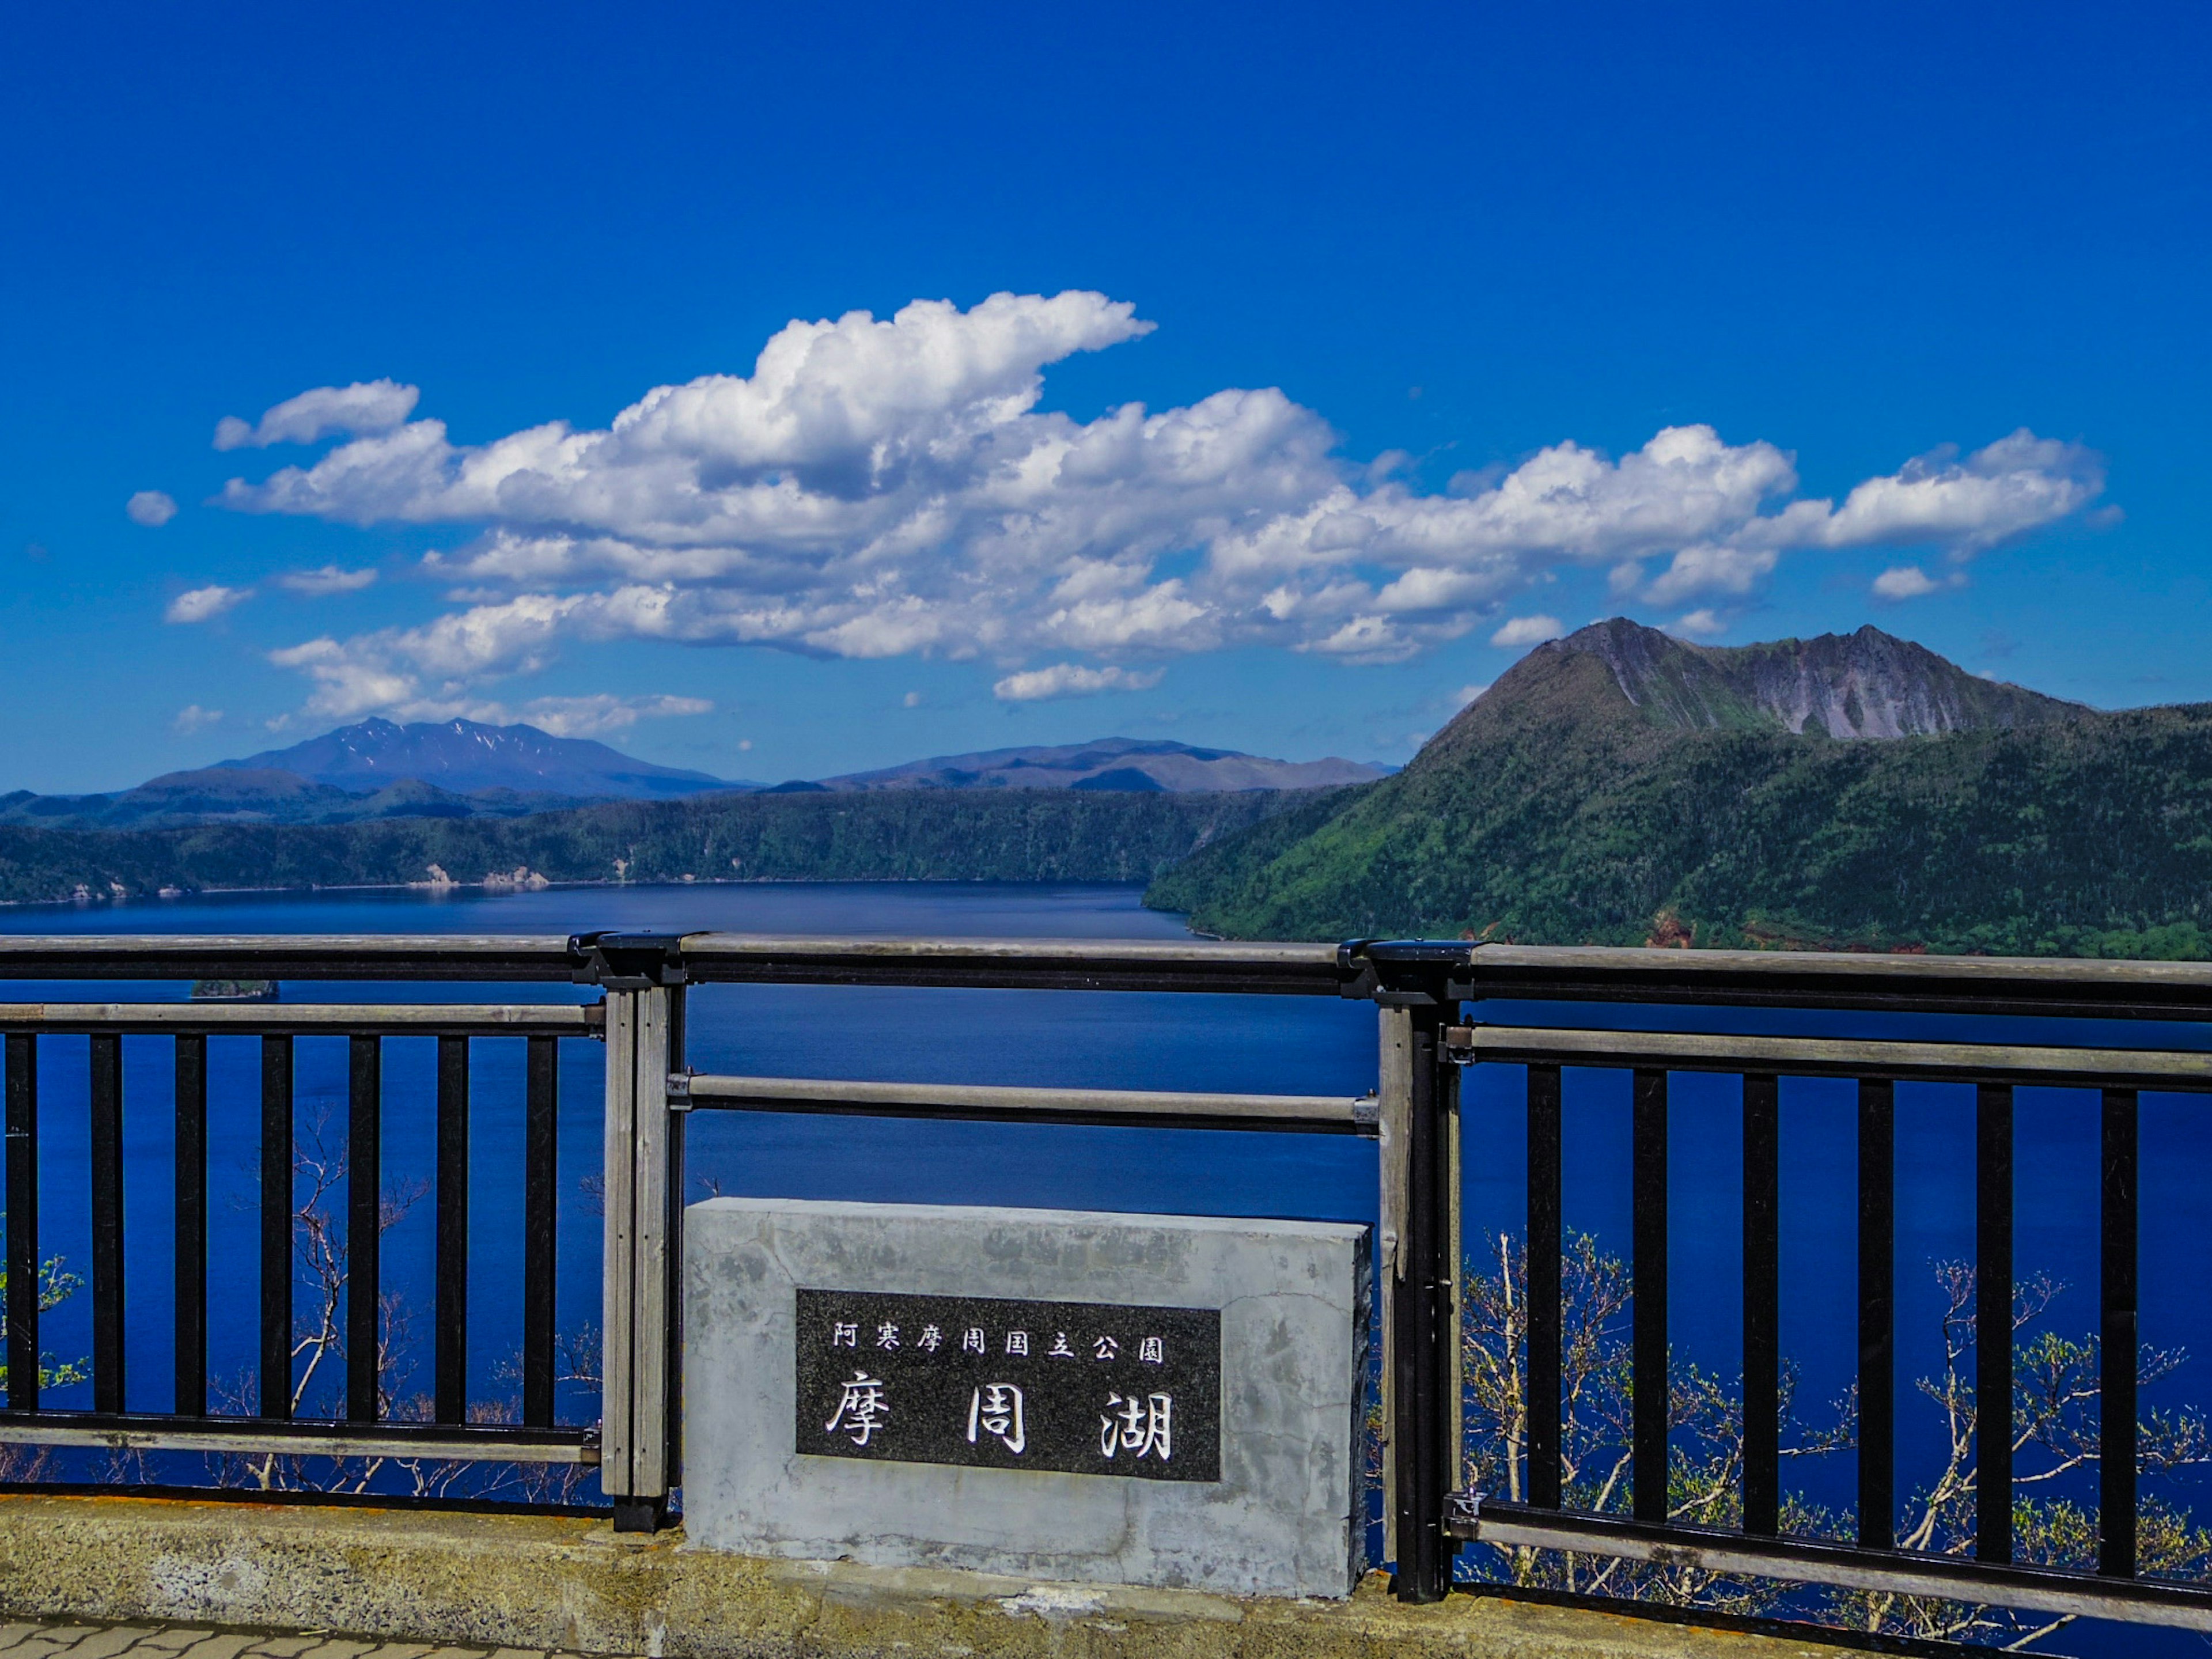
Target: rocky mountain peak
x=1867, y=684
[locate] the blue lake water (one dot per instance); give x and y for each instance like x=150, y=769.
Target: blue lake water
x=1294, y=1045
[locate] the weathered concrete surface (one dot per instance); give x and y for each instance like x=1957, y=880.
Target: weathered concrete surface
x=545, y=1582
x=65, y=1638
x=1286, y=1517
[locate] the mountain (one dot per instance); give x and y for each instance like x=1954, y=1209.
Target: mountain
x=464, y=757
x=377, y=769
x=1621, y=787
x=905, y=834
x=1867, y=684
x=1111, y=764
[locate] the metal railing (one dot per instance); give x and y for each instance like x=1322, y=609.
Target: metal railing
x=1420, y=990
x=1431, y=981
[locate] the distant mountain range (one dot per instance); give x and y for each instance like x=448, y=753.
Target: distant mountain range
x=1126, y=764
x=465, y=758
x=1616, y=786
x=1622, y=787
x=377, y=769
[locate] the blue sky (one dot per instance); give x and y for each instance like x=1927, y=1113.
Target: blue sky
x=1447, y=325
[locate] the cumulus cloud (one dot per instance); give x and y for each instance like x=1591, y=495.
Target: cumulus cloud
x=1528, y=630
x=589, y=716
x=365, y=407
x=151, y=507
x=191, y=717
x=893, y=487
x=1703, y=624
x=324, y=581
x=1068, y=679
x=1904, y=581
x=198, y=605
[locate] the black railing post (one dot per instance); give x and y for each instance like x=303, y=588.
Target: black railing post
x=276, y=1226
x=1651, y=1389
x=642, y=974
x=364, y=1225
x=106, y=1149
x=1422, y=1332
x=190, y=1264
x=540, y=1230
x=1877, y=1447
x=1545, y=1313
x=450, y=1338
x=1762, y=1304
x=1993, y=1279
x=2117, y=1353
x=22, y=1138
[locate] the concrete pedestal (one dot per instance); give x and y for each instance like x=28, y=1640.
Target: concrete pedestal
x=1285, y=1516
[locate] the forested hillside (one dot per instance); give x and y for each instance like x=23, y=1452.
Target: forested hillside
x=1565, y=806
x=891, y=835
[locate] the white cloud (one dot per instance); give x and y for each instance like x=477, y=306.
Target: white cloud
x=1904, y=581
x=151, y=507
x=364, y=407
x=589, y=716
x=1067, y=679
x=1467, y=694
x=1528, y=630
x=912, y=700
x=200, y=603
x=2017, y=484
x=191, y=717
x=324, y=581
x=891, y=488
x=1698, y=625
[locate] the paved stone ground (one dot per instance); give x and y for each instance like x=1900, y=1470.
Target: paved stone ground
x=54, y=1638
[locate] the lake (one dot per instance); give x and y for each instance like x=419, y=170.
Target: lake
x=1288, y=1045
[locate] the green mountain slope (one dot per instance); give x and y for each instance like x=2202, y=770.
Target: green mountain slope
x=1581, y=800
x=892, y=835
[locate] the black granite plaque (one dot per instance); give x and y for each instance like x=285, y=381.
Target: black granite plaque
x=1081, y=1388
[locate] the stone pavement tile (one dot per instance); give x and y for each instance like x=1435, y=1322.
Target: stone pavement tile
x=12, y=1633
x=434, y=1653
x=332, y=1647
x=106, y=1643
x=170, y=1637
x=398, y=1650
x=222, y=1645
x=52, y=1639
x=281, y=1647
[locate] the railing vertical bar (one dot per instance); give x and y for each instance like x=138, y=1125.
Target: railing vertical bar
x=650, y=1211
x=672, y=1345
x=22, y=1160
x=276, y=1226
x=1993, y=1280
x=450, y=1392
x=1649, y=1384
x=618, y=1383
x=1762, y=1304
x=1425, y=1462
x=1394, y=1106
x=1877, y=1448
x=364, y=1222
x=2117, y=1347
x=541, y=1152
x=1544, y=1311
x=191, y=1249
x=106, y=1160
